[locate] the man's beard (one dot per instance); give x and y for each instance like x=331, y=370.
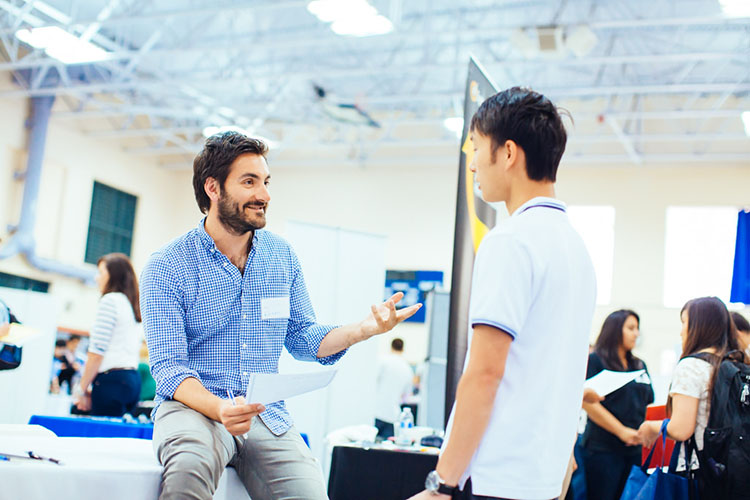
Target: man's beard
x=232, y=216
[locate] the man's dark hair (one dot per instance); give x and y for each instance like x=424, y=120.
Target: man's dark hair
x=397, y=345
x=531, y=121
x=217, y=156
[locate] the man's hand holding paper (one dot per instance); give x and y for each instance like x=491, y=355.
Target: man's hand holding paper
x=237, y=417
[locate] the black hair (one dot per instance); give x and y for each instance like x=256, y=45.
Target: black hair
x=218, y=154
x=531, y=121
x=610, y=339
x=397, y=345
x=740, y=322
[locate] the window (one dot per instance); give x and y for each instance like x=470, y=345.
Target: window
x=110, y=223
x=21, y=283
x=699, y=253
x=596, y=225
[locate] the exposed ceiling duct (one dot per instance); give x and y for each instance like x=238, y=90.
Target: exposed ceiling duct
x=22, y=239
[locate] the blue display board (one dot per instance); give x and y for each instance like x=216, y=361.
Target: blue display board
x=414, y=285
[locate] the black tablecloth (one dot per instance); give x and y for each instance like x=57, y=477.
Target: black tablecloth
x=359, y=474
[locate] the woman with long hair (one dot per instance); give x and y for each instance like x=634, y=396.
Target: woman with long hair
x=707, y=327
x=110, y=384
x=610, y=442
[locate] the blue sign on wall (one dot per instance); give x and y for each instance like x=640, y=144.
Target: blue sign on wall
x=414, y=285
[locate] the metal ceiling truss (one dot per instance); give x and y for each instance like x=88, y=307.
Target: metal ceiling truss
x=185, y=67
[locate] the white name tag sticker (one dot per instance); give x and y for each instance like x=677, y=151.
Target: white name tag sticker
x=274, y=308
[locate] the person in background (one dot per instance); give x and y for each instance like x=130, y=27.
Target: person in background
x=743, y=334
x=58, y=365
x=110, y=384
x=65, y=364
x=707, y=327
x=610, y=442
x=393, y=384
x=69, y=365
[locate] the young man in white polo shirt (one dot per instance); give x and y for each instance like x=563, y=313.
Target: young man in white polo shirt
x=513, y=424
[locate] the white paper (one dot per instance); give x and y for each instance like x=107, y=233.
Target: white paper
x=265, y=388
x=607, y=381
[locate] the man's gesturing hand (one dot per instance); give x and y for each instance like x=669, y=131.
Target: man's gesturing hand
x=237, y=418
x=384, y=317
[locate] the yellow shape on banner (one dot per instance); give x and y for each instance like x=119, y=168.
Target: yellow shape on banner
x=478, y=228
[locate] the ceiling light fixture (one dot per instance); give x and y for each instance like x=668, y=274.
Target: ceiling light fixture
x=735, y=8
x=61, y=45
x=215, y=129
x=351, y=17
x=455, y=124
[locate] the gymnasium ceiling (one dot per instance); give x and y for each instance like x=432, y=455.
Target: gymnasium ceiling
x=647, y=82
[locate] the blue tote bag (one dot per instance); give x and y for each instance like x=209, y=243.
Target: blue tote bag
x=660, y=485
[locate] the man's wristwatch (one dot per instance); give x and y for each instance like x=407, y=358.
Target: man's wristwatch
x=436, y=485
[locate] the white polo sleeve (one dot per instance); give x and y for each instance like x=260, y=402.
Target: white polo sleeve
x=502, y=286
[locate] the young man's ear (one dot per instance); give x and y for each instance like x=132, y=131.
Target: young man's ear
x=211, y=187
x=509, y=150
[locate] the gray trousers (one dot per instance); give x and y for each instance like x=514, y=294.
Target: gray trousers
x=194, y=450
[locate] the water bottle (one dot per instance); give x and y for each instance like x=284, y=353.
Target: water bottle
x=404, y=424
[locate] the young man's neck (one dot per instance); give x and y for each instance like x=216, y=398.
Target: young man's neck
x=230, y=244
x=528, y=190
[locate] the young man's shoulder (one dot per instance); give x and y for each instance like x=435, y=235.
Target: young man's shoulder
x=508, y=232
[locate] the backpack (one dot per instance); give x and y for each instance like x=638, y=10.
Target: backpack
x=725, y=458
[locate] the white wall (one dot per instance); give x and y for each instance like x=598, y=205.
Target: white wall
x=72, y=163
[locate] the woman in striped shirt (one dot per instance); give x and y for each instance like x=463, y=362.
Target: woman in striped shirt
x=110, y=384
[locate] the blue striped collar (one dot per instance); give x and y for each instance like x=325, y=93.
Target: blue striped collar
x=541, y=201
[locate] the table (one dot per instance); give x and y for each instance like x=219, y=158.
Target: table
x=377, y=474
x=92, y=469
x=93, y=427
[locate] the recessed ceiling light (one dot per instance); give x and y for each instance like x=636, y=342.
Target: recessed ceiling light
x=350, y=17
x=735, y=8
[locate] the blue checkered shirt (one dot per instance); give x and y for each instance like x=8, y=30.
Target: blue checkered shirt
x=202, y=317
